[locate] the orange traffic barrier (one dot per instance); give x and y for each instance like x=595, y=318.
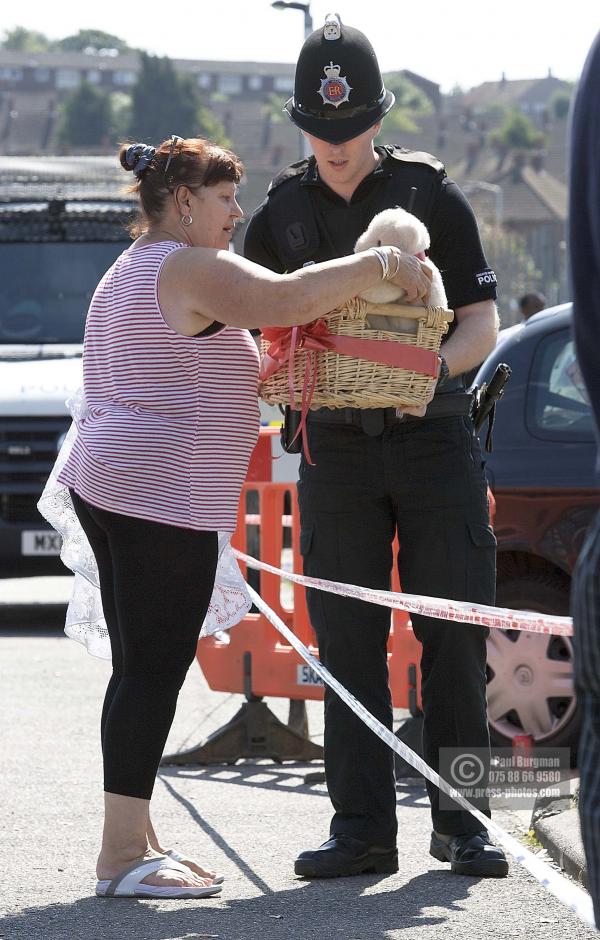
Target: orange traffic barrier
x=273, y=667
x=254, y=659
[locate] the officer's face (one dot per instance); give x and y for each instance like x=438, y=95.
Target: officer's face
x=345, y=163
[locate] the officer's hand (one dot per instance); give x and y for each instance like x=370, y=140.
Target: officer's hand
x=414, y=277
x=418, y=411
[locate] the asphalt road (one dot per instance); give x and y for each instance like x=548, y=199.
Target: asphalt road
x=249, y=821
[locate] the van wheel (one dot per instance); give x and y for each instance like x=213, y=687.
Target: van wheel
x=530, y=686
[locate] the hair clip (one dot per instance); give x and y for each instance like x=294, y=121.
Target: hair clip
x=174, y=141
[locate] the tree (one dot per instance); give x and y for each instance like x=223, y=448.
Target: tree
x=210, y=126
x=94, y=39
x=120, y=104
x=407, y=94
x=272, y=113
x=411, y=103
x=20, y=39
x=495, y=112
x=515, y=269
x=165, y=103
x=517, y=132
x=86, y=119
x=561, y=104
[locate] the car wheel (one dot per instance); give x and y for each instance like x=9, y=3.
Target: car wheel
x=530, y=686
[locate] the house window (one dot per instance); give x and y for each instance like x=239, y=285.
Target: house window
x=255, y=82
x=230, y=84
x=11, y=75
x=124, y=77
x=284, y=83
x=94, y=76
x=41, y=75
x=204, y=80
x=67, y=78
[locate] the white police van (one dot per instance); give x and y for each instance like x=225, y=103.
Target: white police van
x=62, y=224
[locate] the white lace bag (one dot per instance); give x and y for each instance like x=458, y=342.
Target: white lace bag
x=85, y=621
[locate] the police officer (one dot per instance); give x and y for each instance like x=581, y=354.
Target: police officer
x=375, y=473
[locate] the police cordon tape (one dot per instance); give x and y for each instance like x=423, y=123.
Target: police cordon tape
x=565, y=891
x=500, y=618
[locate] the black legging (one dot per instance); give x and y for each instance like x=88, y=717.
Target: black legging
x=156, y=581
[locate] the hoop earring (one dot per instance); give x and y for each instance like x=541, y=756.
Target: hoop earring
x=187, y=219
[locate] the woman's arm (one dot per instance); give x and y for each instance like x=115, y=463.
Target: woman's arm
x=220, y=285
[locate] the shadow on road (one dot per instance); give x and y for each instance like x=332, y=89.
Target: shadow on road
x=268, y=776
x=332, y=908
x=32, y=619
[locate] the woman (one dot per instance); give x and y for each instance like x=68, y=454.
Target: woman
x=161, y=452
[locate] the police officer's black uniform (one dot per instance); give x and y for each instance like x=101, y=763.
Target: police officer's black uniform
x=374, y=474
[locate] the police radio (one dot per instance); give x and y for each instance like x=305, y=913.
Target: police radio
x=291, y=422
x=486, y=397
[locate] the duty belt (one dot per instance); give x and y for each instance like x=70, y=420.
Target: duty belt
x=373, y=421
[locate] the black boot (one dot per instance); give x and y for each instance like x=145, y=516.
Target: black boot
x=471, y=853
x=344, y=855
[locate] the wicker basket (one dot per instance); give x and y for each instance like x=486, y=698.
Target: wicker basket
x=343, y=381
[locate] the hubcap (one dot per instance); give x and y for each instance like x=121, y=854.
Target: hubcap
x=530, y=683
x=524, y=675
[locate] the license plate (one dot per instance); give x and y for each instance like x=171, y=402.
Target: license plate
x=42, y=542
x=306, y=675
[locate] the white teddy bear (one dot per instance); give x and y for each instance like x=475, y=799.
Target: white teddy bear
x=404, y=230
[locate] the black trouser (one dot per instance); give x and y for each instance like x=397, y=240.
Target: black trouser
x=424, y=479
x=156, y=581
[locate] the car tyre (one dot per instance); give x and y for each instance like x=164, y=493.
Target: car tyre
x=540, y=660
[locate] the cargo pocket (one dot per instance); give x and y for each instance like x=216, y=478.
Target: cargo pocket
x=314, y=597
x=481, y=563
x=306, y=539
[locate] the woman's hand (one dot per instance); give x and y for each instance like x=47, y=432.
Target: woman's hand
x=410, y=274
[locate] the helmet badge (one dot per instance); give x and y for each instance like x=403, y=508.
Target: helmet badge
x=334, y=87
x=333, y=26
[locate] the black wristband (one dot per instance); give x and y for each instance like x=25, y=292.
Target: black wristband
x=444, y=372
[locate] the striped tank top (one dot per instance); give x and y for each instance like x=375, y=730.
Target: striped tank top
x=172, y=420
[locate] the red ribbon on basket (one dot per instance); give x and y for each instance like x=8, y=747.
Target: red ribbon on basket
x=316, y=337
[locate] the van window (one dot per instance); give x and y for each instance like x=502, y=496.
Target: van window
x=558, y=407
x=46, y=288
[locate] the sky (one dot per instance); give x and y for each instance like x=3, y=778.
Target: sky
x=457, y=42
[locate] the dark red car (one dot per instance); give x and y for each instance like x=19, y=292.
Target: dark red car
x=542, y=475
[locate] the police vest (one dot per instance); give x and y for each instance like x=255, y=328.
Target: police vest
x=411, y=179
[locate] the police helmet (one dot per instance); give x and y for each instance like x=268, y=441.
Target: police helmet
x=338, y=88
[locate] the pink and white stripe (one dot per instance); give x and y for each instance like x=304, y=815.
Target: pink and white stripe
x=172, y=419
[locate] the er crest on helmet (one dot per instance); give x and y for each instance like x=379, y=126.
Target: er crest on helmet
x=334, y=87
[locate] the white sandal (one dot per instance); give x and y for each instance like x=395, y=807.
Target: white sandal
x=128, y=883
x=178, y=857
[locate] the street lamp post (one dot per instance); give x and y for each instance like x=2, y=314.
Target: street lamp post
x=305, y=7
x=297, y=717
x=308, y=28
